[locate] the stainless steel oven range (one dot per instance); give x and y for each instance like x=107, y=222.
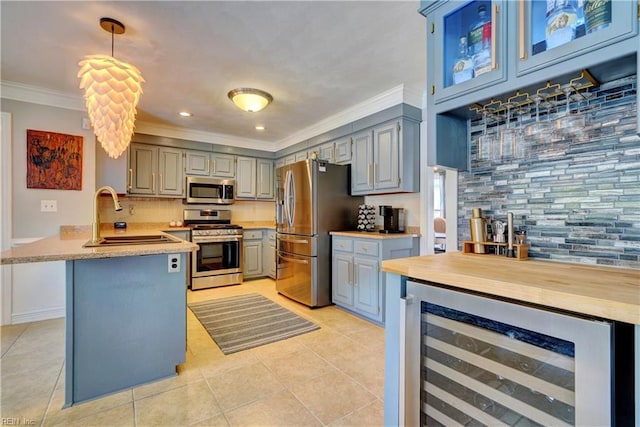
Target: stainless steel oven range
x=218, y=262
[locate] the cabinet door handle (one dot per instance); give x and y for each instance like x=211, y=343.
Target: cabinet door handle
x=523, y=54
x=214, y=166
x=208, y=169
x=161, y=183
x=494, y=22
x=355, y=280
x=130, y=183
x=153, y=182
x=368, y=174
x=349, y=273
x=374, y=174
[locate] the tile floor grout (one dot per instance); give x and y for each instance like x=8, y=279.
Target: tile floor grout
x=333, y=376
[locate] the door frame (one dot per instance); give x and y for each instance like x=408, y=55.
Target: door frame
x=6, y=285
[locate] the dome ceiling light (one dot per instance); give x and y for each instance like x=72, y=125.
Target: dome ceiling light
x=250, y=100
x=112, y=91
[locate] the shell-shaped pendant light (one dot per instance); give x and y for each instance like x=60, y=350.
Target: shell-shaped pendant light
x=112, y=91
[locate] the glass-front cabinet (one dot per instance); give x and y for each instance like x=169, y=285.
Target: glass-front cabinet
x=469, y=37
x=552, y=31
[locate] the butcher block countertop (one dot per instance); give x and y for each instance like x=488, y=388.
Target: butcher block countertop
x=67, y=246
x=373, y=235
x=606, y=292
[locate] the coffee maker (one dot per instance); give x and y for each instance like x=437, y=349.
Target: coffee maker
x=393, y=219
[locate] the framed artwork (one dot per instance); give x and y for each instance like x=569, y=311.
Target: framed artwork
x=54, y=160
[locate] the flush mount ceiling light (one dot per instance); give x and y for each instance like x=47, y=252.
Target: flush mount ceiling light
x=250, y=100
x=112, y=91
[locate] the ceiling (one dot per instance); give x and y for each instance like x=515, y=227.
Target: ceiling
x=317, y=58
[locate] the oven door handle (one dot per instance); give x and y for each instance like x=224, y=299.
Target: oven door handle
x=298, y=261
x=215, y=239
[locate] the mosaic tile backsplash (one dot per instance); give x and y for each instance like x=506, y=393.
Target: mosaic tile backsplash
x=577, y=195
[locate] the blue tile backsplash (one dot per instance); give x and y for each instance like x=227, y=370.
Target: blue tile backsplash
x=577, y=196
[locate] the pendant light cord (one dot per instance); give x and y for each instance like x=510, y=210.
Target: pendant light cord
x=112, y=31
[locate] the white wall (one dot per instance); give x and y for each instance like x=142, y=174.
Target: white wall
x=410, y=202
x=74, y=207
x=38, y=290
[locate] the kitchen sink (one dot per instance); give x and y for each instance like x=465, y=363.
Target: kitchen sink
x=146, y=239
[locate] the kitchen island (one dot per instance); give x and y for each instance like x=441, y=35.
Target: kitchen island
x=599, y=295
x=125, y=309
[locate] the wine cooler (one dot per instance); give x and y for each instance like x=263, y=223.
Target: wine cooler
x=471, y=360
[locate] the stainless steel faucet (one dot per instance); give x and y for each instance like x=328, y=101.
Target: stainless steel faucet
x=96, y=216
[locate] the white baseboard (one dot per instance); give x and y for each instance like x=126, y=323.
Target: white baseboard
x=34, y=316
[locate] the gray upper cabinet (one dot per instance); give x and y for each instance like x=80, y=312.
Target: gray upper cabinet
x=611, y=21
x=326, y=152
x=445, y=28
x=254, y=178
x=156, y=171
x=361, y=182
x=523, y=54
x=385, y=159
x=265, y=185
x=338, y=151
x=210, y=164
x=342, y=150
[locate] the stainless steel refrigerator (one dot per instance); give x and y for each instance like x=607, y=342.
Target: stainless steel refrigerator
x=312, y=200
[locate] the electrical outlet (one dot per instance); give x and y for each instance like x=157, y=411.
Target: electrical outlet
x=48, y=206
x=174, y=263
x=86, y=124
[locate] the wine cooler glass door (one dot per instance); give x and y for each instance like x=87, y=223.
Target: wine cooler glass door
x=483, y=361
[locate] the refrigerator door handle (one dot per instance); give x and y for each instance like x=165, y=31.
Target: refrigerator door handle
x=298, y=261
x=289, y=239
x=290, y=198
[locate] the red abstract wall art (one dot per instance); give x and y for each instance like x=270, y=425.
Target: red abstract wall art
x=54, y=160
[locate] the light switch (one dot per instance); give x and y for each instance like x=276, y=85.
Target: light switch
x=48, y=206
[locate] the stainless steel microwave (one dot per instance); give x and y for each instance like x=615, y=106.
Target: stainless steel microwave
x=205, y=190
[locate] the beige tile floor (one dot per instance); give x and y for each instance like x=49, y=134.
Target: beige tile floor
x=332, y=376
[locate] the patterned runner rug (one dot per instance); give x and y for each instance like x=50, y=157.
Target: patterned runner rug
x=248, y=321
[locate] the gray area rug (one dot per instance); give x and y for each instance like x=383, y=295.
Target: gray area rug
x=248, y=321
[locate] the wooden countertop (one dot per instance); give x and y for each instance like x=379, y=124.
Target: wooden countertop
x=373, y=235
x=607, y=292
x=68, y=246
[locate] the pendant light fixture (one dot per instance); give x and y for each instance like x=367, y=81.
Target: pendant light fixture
x=250, y=100
x=112, y=91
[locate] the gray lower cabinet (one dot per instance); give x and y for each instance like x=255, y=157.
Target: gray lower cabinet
x=269, y=256
x=259, y=253
x=156, y=171
x=125, y=324
x=254, y=178
x=252, y=254
x=358, y=284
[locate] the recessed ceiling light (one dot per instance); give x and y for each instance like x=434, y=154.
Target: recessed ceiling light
x=185, y=114
x=259, y=127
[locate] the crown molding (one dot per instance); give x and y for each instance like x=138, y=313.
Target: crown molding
x=201, y=136
x=40, y=95
x=389, y=98
x=394, y=96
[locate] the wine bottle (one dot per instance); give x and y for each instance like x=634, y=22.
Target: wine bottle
x=463, y=67
x=597, y=14
x=561, y=22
